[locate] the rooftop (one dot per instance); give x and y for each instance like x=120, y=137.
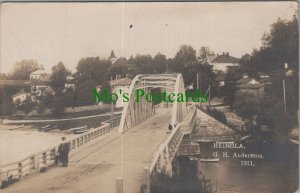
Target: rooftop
x=38, y=72
x=225, y=58
x=19, y=93
x=121, y=82
x=20, y=83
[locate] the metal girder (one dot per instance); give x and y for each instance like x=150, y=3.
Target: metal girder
x=135, y=112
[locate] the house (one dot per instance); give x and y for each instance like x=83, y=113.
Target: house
x=264, y=78
x=20, y=97
x=222, y=62
x=250, y=85
x=70, y=83
x=40, y=88
x=40, y=75
x=120, y=86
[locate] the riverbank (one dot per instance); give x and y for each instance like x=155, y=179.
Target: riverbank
x=18, y=144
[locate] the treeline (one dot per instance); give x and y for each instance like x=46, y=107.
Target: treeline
x=95, y=71
x=279, y=46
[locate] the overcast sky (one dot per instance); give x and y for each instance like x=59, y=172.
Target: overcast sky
x=68, y=32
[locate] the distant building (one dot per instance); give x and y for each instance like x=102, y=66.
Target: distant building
x=112, y=57
x=222, y=62
x=40, y=75
x=122, y=84
x=70, y=83
x=40, y=88
x=221, y=79
x=20, y=97
x=250, y=85
x=264, y=78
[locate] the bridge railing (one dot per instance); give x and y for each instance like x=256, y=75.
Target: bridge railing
x=163, y=158
x=35, y=162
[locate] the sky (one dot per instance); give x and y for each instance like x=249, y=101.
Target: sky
x=67, y=32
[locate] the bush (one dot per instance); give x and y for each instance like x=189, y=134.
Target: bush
x=219, y=115
x=58, y=106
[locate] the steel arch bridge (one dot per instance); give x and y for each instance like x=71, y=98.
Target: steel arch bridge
x=135, y=112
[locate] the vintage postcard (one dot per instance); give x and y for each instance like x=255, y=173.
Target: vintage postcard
x=149, y=97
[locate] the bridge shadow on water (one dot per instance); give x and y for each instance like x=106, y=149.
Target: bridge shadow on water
x=184, y=179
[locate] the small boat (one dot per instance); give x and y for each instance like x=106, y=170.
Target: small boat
x=245, y=137
x=78, y=128
x=81, y=131
x=50, y=128
x=45, y=127
x=17, y=127
x=203, y=141
x=210, y=160
x=193, y=158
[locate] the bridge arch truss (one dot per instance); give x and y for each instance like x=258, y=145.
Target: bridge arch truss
x=135, y=111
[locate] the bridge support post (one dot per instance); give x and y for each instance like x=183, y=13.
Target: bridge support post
x=0, y=179
x=36, y=162
x=119, y=185
x=146, y=187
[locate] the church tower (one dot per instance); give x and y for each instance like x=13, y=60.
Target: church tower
x=112, y=57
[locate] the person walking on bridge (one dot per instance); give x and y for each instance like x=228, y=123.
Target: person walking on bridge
x=63, y=151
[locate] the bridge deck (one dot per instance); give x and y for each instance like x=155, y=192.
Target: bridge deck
x=94, y=168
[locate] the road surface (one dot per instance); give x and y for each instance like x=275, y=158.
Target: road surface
x=95, y=168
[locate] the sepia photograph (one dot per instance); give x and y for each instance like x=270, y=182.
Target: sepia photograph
x=149, y=97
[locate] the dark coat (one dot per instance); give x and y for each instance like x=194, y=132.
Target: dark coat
x=64, y=149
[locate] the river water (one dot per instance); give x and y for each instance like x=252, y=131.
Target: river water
x=17, y=144
x=277, y=172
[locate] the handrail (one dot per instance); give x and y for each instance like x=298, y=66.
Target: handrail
x=177, y=134
x=45, y=158
x=163, y=146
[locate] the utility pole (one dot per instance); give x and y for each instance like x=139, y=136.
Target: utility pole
x=200, y=90
x=198, y=80
x=283, y=85
x=111, y=102
x=209, y=95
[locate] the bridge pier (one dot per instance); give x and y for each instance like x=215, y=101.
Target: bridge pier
x=119, y=185
x=1, y=178
x=146, y=184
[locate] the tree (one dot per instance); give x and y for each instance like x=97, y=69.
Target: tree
x=183, y=58
x=84, y=95
x=144, y=64
x=249, y=67
x=246, y=106
x=59, y=77
x=204, y=52
x=271, y=114
x=206, y=75
x=27, y=106
x=45, y=102
x=121, y=67
x=93, y=68
x=70, y=97
x=7, y=107
x=229, y=88
x=58, y=106
x=24, y=68
x=160, y=63
x=279, y=46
